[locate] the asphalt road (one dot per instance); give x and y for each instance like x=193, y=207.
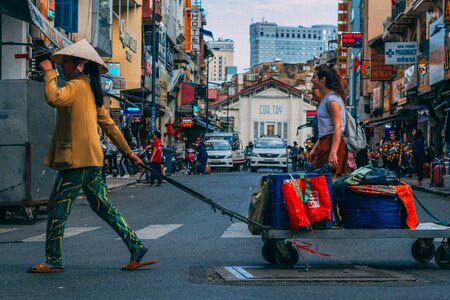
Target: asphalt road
x=188, y=239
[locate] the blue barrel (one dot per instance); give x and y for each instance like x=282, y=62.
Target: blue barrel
x=167, y=153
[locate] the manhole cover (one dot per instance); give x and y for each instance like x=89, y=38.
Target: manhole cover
x=318, y=274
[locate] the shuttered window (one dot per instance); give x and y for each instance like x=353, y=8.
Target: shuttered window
x=66, y=16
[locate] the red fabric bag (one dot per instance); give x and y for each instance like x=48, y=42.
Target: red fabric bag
x=307, y=201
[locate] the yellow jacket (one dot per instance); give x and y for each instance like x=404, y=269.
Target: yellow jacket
x=75, y=142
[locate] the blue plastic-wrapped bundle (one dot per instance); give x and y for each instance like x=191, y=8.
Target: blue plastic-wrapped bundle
x=360, y=210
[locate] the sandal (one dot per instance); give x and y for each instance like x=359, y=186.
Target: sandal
x=44, y=268
x=135, y=261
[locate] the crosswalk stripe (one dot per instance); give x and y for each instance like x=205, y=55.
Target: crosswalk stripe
x=5, y=230
x=154, y=232
x=238, y=230
x=68, y=232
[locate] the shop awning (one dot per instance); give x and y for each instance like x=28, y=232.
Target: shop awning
x=18, y=9
x=388, y=119
x=210, y=126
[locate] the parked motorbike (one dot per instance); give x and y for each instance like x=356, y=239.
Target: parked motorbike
x=144, y=155
x=177, y=163
x=190, y=160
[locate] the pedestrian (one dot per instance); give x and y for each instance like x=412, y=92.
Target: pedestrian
x=76, y=152
x=394, y=154
x=202, y=156
x=418, y=154
x=111, y=158
x=330, y=148
x=294, y=156
x=124, y=163
x=156, y=158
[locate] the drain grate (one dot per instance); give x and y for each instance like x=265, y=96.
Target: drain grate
x=316, y=274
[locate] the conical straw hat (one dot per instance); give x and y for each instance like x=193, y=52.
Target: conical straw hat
x=81, y=49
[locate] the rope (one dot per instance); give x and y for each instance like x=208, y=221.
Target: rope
x=438, y=220
x=214, y=205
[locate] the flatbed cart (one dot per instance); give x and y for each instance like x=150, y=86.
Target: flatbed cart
x=278, y=249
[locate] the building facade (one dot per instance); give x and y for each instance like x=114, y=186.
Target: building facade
x=270, y=42
x=223, y=51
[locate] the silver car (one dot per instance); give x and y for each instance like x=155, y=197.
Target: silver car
x=219, y=154
x=269, y=152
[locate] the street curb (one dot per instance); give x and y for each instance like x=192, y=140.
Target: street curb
x=431, y=191
x=119, y=186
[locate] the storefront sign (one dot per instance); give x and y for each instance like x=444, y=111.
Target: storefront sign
x=342, y=60
x=378, y=70
x=400, y=53
x=342, y=26
x=387, y=97
x=410, y=78
x=366, y=69
x=60, y=40
x=270, y=109
x=127, y=40
x=423, y=74
x=162, y=44
x=398, y=92
x=196, y=21
x=351, y=39
x=437, y=51
x=376, y=97
x=115, y=115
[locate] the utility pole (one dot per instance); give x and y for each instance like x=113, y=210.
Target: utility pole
x=154, y=41
x=228, y=106
x=207, y=93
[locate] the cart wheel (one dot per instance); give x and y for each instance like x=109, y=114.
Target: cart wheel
x=423, y=250
x=285, y=255
x=442, y=258
x=267, y=251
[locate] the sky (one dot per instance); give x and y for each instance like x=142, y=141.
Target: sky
x=231, y=19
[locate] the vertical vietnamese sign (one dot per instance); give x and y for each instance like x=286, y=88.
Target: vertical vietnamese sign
x=196, y=20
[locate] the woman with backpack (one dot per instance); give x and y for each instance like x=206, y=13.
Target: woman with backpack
x=330, y=147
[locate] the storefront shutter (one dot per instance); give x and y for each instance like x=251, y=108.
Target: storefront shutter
x=66, y=16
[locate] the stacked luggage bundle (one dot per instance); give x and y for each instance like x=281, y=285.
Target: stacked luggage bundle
x=374, y=198
x=293, y=201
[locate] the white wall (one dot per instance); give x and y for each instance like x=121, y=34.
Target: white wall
x=13, y=30
x=272, y=106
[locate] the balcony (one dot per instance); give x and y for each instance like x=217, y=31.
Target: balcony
x=398, y=10
x=399, y=22
x=421, y=6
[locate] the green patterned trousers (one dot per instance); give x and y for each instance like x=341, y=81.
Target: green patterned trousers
x=65, y=191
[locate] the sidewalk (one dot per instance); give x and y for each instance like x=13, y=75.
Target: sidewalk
x=116, y=182
x=426, y=187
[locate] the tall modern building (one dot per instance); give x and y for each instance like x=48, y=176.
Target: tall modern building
x=223, y=50
x=270, y=42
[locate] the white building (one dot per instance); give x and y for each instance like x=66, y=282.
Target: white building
x=269, y=107
x=223, y=51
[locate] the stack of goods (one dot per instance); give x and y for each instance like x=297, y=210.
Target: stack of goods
x=373, y=198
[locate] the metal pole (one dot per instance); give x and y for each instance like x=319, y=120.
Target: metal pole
x=154, y=41
x=207, y=94
x=228, y=106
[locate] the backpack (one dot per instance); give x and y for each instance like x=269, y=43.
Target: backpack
x=354, y=135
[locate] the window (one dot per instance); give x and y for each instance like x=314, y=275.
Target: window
x=304, y=36
x=282, y=34
x=309, y=35
x=66, y=15
x=255, y=130
x=287, y=35
x=285, y=130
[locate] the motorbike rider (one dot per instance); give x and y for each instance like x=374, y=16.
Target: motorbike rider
x=248, y=153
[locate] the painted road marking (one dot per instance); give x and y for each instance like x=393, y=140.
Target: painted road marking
x=154, y=232
x=238, y=230
x=5, y=230
x=69, y=232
